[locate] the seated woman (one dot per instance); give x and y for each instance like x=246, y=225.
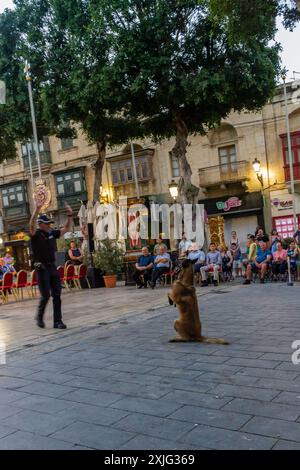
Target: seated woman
x=75, y=254
x=279, y=265
x=6, y=268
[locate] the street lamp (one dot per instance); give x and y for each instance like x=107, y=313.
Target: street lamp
x=173, y=188
x=256, y=168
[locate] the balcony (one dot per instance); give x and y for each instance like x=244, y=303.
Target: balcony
x=45, y=159
x=223, y=175
x=17, y=212
x=72, y=199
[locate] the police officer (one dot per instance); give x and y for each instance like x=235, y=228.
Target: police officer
x=43, y=246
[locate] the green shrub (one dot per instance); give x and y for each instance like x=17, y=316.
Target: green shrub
x=109, y=257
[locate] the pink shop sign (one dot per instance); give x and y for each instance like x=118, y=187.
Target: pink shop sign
x=231, y=203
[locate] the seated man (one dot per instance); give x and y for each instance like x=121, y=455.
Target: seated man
x=162, y=264
x=213, y=262
x=143, y=269
x=196, y=256
x=279, y=265
x=261, y=263
x=157, y=245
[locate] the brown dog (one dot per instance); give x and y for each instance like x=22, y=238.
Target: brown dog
x=183, y=295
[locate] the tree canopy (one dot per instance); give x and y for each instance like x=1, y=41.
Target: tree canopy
x=123, y=69
x=179, y=69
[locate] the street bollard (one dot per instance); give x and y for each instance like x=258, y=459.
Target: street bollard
x=290, y=283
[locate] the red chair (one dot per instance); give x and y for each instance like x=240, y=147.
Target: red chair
x=169, y=274
x=211, y=273
x=20, y=284
x=7, y=286
x=69, y=276
x=82, y=274
x=61, y=272
x=33, y=283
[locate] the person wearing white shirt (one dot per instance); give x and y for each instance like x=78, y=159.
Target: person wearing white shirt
x=184, y=246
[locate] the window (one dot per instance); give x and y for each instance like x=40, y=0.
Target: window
x=227, y=159
x=69, y=184
x=285, y=226
x=122, y=171
x=13, y=195
x=174, y=165
x=66, y=144
x=295, y=144
x=29, y=147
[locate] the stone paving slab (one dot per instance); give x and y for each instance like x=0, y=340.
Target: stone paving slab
x=267, y=409
x=221, y=439
x=122, y=385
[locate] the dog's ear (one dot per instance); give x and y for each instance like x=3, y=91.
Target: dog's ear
x=186, y=263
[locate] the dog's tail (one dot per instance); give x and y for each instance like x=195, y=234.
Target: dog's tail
x=204, y=339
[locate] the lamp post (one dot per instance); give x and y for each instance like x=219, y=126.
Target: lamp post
x=256, y=168
x=173, y=188
x=29, y=79
x=287, y=125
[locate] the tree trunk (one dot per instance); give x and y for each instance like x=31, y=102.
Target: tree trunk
x=179, y=151
x=101, y=149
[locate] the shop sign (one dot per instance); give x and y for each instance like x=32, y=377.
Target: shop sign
x=282, y=205
x=229, y=204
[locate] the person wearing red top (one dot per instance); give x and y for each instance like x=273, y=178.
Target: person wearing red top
x=279, y=265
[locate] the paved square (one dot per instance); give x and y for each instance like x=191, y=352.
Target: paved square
x=115, y=382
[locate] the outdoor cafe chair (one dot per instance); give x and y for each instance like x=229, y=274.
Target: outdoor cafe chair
x=20, y=283
x=32, y=283
x=69, y=276
x=82, y=274
x=7, y=286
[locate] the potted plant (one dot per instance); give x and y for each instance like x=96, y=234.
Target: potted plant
x=109, y=259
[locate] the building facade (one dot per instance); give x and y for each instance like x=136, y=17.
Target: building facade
x=221, y=163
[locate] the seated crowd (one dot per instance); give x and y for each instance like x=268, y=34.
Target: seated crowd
x=264, y=256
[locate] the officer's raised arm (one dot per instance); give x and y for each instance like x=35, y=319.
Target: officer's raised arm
x=33, y=221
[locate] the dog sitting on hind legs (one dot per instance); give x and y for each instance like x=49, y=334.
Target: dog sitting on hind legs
x=183, y=295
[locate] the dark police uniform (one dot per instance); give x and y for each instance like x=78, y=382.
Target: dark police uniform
x=43, y=246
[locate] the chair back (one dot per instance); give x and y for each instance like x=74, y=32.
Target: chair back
x=34, y=280
x=7, y=281
x=21, y=279
x=82, y=271
x=70, y=272
x=67, y=263
x=61, y=272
